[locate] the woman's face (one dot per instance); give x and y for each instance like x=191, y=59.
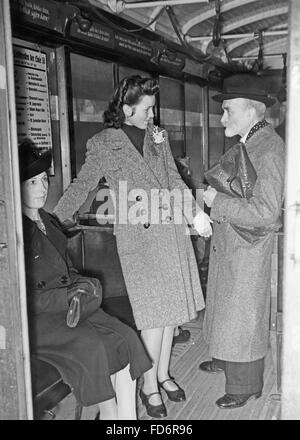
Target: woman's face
x=34, y=191
x=140, y=114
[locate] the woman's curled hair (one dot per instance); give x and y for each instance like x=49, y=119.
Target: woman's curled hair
x=129, y=91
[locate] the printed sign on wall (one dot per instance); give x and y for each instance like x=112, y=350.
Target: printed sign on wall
x=32, y=97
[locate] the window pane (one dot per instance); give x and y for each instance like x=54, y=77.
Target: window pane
x=172, y=112
x=92, y=88
x=194, y=127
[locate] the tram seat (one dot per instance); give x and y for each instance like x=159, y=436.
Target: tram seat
x=48, y=390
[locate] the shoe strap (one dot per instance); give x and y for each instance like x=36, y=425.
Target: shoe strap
x=167, y=380
x=151, y=394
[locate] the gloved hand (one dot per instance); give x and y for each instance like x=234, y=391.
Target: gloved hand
x=209, y=196
x=70, y=222
x=202, y=224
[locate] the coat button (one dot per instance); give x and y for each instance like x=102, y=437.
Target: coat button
x=138, y=198
x=165, y=206
x=146, y=225
x=214, y=249
x=64, y=279
x=168, y=219
x=41, y=284
x=143, y=212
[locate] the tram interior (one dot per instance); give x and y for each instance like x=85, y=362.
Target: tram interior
x=80, y=50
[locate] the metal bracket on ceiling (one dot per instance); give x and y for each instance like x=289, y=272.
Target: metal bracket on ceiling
x=252, y=35
x=217, y=25
x=260, y=58
x=118, y=6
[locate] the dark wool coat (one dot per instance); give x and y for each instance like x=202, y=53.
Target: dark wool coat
x=157, y=258
x=236, y=324
x=85, y=355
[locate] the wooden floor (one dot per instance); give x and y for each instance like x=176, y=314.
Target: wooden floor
x=202, y=389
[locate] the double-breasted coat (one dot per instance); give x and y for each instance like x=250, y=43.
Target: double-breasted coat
x=155, y=250
x=85, y=355
x=237, y=312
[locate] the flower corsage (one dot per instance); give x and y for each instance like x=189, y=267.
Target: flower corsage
x=158, y=134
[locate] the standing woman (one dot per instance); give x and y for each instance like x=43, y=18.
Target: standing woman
x=154, y=247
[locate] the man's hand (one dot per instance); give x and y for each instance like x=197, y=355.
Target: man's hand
x=209, y=196
x=202, y=224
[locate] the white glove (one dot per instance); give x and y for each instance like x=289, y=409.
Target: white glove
x=202, y=224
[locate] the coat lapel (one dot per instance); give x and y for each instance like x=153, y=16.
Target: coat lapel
x=38, y=244
x=54, y=235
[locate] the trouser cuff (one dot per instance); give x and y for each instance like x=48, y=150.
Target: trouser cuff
x=243, y=389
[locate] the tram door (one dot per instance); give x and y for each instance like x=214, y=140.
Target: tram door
x=15, y=383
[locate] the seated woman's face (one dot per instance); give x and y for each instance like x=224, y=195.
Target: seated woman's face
x=34, y=191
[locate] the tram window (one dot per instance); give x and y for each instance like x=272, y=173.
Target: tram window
x=92, y=87
x=216, y=142
x=172, y=112
x=194, y=127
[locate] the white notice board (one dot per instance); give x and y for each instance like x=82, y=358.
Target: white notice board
x=32, y=97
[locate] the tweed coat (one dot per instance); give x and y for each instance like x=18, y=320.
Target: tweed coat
x=85, y=355
x=236, y=321
x=157, y=257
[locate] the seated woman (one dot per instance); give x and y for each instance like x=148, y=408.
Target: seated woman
x=100, y=358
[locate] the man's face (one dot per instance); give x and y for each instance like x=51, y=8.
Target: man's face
x=237, y=117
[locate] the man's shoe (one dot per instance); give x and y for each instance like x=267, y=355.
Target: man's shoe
x=183, y=336
x=210, y=367
x=232, y=401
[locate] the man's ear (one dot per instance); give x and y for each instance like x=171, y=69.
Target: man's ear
x=128, y=111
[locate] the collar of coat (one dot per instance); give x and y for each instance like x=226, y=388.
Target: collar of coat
x=32, y=233
x=121, y=140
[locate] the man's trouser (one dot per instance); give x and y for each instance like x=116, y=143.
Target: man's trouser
x=242, y=377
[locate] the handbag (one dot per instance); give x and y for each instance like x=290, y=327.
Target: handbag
x=235, y=176
x=85, y=301
x=234, y=173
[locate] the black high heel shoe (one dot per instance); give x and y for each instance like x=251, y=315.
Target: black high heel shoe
x=156, y=411
x=176, y=395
